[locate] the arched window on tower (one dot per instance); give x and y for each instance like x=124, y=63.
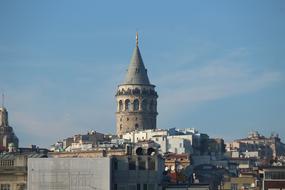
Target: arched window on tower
x=136, y=126
x=127, y=105
x=144, y=105
x=136, y=105
x=136, y=91
x=151, y=105
x=120, y=105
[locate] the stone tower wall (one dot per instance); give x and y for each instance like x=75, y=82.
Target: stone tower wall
x=136, y=108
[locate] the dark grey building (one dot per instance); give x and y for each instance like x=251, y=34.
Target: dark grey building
x=132, y=172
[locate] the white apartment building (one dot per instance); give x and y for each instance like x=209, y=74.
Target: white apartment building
x=136, y=136
x=177, y=143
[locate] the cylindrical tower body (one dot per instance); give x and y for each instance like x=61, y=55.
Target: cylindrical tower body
x=136, y=108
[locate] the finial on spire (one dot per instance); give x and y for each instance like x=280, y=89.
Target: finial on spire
x=137, y=39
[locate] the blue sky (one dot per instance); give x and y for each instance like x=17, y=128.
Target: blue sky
x=218, y=65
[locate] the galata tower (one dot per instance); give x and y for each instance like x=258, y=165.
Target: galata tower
x=136, y=98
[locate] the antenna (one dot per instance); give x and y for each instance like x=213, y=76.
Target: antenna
x=137, y=39
x=3, y=100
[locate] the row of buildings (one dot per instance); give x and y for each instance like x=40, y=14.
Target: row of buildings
x=175, y=158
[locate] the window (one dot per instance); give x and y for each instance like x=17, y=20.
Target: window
x=138, y=186
x=151, y=164
x=275, y=175
x=136, y=105
x=136, y=91
x=151, y=106
x=234, y=186
x=141, y=164
x=131, y=187
x=132, y=164
x=151, y=187
x=21, y=186
x=144, y=105
x=136, y=126
x=120, y=105
x=7, y=163
x=144, y=186
x=115, y=164
x=127, y=105
x=246, y=185
x=5, y=187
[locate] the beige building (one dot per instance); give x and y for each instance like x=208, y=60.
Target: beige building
x=136, y=98
x=7, y=135
x=256, y=145
x=243, y=182
x=13, y=170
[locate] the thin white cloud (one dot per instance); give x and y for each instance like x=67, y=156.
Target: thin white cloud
x=228, y=76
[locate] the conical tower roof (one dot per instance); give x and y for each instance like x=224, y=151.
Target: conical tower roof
x=136, y=73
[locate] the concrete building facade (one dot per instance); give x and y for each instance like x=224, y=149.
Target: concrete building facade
x=69, y=173
x=136, y=98
x=109, y=173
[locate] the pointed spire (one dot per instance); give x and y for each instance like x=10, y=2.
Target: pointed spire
x=136, y=73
